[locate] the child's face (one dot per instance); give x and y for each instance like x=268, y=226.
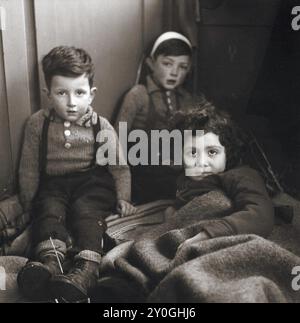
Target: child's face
x=71, y=96
x=170, y=71
x=203, y=156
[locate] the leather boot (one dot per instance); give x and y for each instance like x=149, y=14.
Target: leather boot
x=34, y=277
x=75, y=286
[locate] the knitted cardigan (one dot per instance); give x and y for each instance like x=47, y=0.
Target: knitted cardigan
x=62, y=159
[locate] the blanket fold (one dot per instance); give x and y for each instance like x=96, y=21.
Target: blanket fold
x=243, y=268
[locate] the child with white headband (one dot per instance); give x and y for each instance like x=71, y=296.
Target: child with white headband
x=150, y=107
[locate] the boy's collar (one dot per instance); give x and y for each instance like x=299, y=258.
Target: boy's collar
x=153, y=87
x=48, y=112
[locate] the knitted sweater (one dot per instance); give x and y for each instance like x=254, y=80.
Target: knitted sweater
x=253, y=211
x=63, y=157
x=136, y=105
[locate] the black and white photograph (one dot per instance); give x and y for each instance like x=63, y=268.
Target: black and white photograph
x=149, y=154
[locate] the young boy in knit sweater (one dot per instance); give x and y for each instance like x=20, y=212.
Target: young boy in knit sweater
x=212, y=161
x=61, y=183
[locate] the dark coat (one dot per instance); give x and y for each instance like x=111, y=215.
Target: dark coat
x=253, y=209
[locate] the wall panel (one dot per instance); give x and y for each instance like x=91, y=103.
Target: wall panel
x=111, y=30
x=5, y=152
x=16, y=81
x=154, y=20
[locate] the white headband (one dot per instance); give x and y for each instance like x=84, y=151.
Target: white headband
x=166, y=36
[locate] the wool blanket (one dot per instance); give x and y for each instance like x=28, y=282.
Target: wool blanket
x=244, y=268
x=148, y=268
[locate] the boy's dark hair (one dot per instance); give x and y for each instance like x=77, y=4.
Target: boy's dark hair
x=173, y=47
x=67, y=61
x=206, y=117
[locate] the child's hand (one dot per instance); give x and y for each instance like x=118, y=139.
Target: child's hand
x=194, y=240
x=125, y=208
x=170, y=211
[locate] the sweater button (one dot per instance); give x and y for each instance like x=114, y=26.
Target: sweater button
x=67, y=133
x=68, y=145
x=67, y=124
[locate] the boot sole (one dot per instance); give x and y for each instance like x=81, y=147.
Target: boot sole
x=64, y=290
x=33, y=280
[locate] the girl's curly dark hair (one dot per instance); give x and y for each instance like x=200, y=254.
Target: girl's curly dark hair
x=207, y=118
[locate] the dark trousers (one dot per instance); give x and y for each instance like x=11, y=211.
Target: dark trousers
x=75, y=204
x=150, y=183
